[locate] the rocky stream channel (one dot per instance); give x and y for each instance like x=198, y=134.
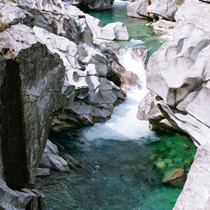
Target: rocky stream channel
x=125, y=104
x=125, y=166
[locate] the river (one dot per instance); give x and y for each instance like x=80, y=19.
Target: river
x=123, y=160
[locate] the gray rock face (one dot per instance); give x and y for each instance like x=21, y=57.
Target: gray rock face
x=19, y=200
x=30, y=89
x=32, y=83
x=38, y=42
x=147, y=8
x=99, y=4
x=93, y=5
x=195, y=194
x=138, y=8
x=178, y=73
x=87, y=68
x=112, y=31
x=178, y=80
x=164, y=8
x=51, y=158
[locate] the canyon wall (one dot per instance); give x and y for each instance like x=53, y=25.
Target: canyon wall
x=178, y=80
x=52, y=73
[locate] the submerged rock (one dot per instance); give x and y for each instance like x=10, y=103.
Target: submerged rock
x=42, y=172
x=175, y=177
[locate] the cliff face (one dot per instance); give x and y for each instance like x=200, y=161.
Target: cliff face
x=31, y=80
x=162, y=8
x=178, y=80
x=51, y=72
x=178, y=74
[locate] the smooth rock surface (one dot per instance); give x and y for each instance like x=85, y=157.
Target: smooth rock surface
x=33, y=107
x=138, y=8
x=195, y=194
x=164, y=8
x=178, y=80
x=42, y=172
x=181, y=73
x=51, y=158
x=112, y=31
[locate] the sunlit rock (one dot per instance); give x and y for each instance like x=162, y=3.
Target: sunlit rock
x=195, y=194
x=178, y=78
x=111, y=31
x=178, y=74
x=138, y=8
x=164, y=8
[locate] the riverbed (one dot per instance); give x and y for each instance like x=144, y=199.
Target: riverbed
x=123, y=161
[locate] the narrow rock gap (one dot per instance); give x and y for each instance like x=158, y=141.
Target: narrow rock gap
x=13, y=142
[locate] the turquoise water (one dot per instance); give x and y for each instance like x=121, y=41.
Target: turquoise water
x=136, y=27
x=116, y=174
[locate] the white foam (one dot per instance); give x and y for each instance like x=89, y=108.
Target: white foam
x=123, y=124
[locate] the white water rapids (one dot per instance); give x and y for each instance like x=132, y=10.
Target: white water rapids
x=124, y=124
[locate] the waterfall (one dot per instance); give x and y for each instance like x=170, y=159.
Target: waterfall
x=123, y=124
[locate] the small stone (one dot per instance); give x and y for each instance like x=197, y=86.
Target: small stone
x=42, y=172
x=172, y=175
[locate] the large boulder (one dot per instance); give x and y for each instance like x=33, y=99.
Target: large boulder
x=164, y=8
x=138, y=8
x=178, y=73
x=66, y=30
x=150, y=8
x=32, y=80
x=112, y=31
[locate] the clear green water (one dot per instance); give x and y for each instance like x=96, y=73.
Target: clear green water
x=136, y=27
x=118, y=175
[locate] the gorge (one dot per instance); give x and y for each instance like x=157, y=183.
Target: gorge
x=56, y=70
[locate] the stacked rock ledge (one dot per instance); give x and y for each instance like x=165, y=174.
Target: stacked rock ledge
x=178, y=80
x=53, y=71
